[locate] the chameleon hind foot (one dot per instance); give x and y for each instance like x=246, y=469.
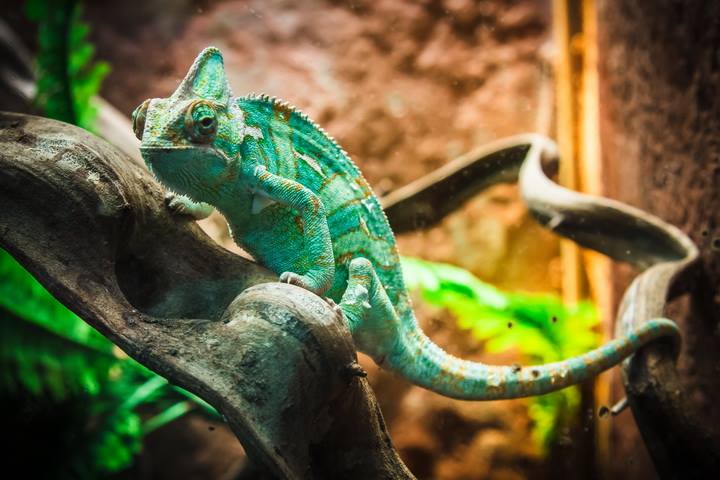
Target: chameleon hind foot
x=335, y=307
x=182, y=205
x=368, y=310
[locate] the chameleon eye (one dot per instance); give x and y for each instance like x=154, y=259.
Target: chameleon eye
x=138, y=119
x=201, y=122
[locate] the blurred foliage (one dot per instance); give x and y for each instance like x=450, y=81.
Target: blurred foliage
x=67, y=392
x=538, y=326
x=53, y=364
x=67, y=76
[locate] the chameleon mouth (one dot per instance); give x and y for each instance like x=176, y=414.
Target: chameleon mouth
x=189, y=170
x=182, y=156
x=155, y=152
x=167, y=163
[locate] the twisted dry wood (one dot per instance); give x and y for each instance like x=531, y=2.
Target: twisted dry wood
x=91, y=225
x=680, y=443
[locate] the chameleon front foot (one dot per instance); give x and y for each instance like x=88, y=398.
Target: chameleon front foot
x=302, y=281
x=182, y=205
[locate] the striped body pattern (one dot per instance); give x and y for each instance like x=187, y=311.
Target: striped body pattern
x=292, y=146
x=294, y=199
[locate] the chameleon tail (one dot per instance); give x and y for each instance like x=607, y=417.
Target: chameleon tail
x=399, y=345
x=424, y=363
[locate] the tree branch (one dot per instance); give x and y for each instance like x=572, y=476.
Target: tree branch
x=91, y=225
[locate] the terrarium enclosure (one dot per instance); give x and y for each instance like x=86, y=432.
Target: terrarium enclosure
x=114, y=359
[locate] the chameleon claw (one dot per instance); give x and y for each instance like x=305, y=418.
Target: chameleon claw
x=174, y=203
x=335, y=307
x=181, y=205
x=291, y=278
x=298, y=280
x=359, y=296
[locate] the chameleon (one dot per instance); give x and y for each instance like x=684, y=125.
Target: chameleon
x=295, y=201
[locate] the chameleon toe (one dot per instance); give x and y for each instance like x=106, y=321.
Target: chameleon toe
x=298, y=280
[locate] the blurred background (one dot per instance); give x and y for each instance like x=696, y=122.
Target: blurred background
x=405, y=87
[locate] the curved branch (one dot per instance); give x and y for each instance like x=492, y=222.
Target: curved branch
x=91, y=225
x=679, y=441
x=677, y=438
x=426, y=201
x=166, y=294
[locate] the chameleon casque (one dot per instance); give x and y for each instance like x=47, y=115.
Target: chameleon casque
x=294, y=199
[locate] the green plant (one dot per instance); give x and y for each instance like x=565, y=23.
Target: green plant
x=81, y=394
x=67, y=77
x=539, y=327
x=51, y=361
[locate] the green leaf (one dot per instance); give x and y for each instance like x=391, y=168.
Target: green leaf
x=22, y=296
x=205, y=407
x=116, y=440
x=67, y=77
x=168, y=415
x=145, y=392
x=539, y=327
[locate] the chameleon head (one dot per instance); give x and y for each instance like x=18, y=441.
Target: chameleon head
x=190, y=138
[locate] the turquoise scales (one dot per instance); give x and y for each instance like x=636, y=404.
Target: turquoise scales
x=292, y=146
x=294, y=199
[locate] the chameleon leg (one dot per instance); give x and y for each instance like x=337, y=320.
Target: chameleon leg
x=182, y=205
x=320, y=274
x=373, y=321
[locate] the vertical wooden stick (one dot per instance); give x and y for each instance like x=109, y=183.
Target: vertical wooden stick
x=584, y=273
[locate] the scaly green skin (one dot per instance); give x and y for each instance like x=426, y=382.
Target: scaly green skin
x=297, y=203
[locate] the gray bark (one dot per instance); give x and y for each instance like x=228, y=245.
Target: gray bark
x=274, y=359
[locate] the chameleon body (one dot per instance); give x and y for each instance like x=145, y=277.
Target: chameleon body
x=294, y=199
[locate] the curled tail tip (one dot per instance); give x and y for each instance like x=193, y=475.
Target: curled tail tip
x=664, y=324
x=656, y=328
x=663, y=330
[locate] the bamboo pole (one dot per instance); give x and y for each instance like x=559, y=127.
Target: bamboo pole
x=567, y=134
x=597, y=266
x=585, y=273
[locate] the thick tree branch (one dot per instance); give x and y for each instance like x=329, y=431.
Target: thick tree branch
x=91, y=225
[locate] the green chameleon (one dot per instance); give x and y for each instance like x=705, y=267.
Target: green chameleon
x=294, y=199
